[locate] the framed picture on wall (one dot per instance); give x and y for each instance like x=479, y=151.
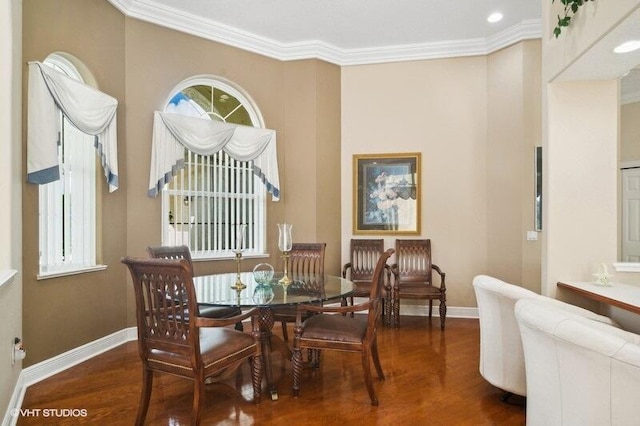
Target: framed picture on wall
x=386, y=193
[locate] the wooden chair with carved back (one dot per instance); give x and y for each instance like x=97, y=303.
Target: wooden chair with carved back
x=413, y=272
x=327, y=330
x=306, y=262
x=171, y=340
x=183, y=252
x=364, y=254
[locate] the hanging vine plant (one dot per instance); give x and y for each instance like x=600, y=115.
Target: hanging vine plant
x=570, y=9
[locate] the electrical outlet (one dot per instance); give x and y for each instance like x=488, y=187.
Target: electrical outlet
x=17, y=351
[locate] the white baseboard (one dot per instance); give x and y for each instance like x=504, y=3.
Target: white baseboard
x=15, y=403
x=40, y=371
x=452, y=311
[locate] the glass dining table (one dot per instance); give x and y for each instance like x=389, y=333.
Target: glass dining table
x=220, y=290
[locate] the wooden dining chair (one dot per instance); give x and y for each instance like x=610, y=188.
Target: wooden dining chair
x=183, y=252
x=414, y=277
x=306, y=262
x=328, y=331
x=364, y=254
x=171, y=340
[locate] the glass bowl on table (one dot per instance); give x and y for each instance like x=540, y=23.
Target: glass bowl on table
x=263, y=275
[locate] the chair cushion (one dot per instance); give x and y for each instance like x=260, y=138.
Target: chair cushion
x=335, y=328
x=289, y=313
x=363, y=289
x=216, y=346
x=209, y=311
x=419, y=290
x=219, y=343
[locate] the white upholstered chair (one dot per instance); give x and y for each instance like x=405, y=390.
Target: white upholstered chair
x=579, y=371
x=501, y=354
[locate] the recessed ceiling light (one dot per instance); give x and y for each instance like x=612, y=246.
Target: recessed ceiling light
x=494, y=17
x=628, y=46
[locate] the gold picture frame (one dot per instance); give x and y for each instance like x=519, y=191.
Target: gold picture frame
x=386, y=193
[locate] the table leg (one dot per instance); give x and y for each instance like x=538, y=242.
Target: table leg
x=266, y=325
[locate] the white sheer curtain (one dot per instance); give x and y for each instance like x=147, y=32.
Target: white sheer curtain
x=88, y=109
x=173, y=132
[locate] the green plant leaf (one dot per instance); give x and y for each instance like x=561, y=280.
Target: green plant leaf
x=570, y=8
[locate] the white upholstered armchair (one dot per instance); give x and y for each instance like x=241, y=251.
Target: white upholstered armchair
x=579, y=371
x=501, y=353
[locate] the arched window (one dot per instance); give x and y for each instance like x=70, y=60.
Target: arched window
x=67, y=207
x=204, y=204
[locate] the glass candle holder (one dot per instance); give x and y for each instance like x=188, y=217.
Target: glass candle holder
x=239, y=246
x=285, y=243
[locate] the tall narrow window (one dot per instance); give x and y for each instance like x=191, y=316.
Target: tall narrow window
x=208, y=199
x=67, y=207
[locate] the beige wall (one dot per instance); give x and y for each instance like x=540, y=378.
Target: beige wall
x=63, y=313
x=312, y=130
x=514, y=130
x=475, y=122
x=630, y=132
x=10, y=196
x=139, y=64
x=581, y=176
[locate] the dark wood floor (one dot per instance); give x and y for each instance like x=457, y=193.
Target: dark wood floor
x=431, y=377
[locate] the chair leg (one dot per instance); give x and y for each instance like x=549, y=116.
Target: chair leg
x=297, y=367
x=285, y=333
x=310, y=356
x=376, y=359
x=314, y=357
x=239, y=326
x=386, y=312
x=430, y=307
x=368, y=379
x=198, y=399
x=256, y=377
x=145, y=396
x=396, y=311
x=443, y=312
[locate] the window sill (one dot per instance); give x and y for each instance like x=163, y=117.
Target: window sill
x=56, y=274
x=627, y=267
x=6, y=276
x=244, y=256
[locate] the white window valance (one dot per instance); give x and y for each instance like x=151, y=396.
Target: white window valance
x=173, y=132
x=88, y=109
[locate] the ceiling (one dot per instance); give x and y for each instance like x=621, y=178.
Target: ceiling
x=348, y=32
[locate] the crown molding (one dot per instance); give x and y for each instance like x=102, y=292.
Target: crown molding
x=525, y=30
x=630, y=97
x=165, y=16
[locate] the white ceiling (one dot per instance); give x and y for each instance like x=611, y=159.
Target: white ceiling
x=348, y=32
